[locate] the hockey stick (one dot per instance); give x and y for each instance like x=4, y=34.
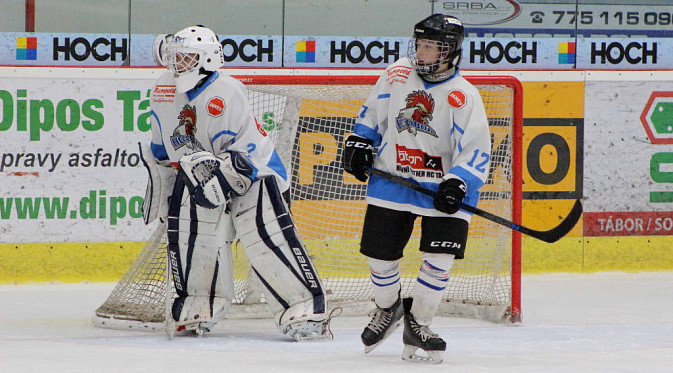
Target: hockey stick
x=549, y=236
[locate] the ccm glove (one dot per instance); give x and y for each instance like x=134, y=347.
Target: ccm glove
x=450, y=191
x=357, y=156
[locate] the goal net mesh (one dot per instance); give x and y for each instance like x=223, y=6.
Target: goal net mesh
x=308, y=124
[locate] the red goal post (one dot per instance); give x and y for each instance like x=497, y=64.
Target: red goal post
x=307, y=117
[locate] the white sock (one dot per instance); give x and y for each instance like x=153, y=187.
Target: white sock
x=385, y=276
x=430, y=284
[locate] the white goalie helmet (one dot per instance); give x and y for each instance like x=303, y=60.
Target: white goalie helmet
x=191, y=51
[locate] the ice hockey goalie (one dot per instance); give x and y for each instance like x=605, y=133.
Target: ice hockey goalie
x=215, y=175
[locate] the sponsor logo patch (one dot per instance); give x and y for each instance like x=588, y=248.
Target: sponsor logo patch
x=398, y=74
x=417, y=159
x=215, y=106
x=457, y=99
x=163, y=93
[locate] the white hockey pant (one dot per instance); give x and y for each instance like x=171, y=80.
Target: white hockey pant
x=290, y=283
x=199, y=250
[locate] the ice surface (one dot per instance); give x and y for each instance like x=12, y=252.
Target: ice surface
x=603, y=322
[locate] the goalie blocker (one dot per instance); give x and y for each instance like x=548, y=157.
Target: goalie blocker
x=224, y=203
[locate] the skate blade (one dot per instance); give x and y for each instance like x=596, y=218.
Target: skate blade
x=432, y=357
x=390, y=331
x=311, y=331
x=192, y=328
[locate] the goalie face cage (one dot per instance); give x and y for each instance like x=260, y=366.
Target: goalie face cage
x=308, y=117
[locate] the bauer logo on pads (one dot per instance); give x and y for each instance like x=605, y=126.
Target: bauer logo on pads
x=215, y=106
x=457, y=99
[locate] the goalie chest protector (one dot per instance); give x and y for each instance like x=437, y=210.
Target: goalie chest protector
x=214, y=117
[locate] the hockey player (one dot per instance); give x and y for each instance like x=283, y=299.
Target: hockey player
x=215, y=174
x=429, y=125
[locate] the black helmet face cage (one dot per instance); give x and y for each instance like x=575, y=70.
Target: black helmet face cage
x=428, y=55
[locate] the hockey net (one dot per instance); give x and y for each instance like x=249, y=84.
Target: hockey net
x=308, y=117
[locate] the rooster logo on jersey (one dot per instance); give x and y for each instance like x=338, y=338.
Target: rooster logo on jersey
x=417, y=114
x=185, y=133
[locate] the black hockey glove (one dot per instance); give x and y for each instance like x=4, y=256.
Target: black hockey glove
x=358, y=155
x=450, y=191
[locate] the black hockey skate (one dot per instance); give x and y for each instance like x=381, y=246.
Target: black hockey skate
x=420, y=336
x=384, y=321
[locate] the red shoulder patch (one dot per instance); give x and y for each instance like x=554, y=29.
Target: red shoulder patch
x=457, y=98
x=215, y=106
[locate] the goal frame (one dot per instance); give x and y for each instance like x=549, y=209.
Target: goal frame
x=517, y=133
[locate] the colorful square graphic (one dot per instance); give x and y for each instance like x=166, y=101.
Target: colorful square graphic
x=26, y=48
x=566, y=53
x=305, y=50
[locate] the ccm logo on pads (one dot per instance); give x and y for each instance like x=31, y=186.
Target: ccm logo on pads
x=457, y=99
x=215, y=106
x=446, y=244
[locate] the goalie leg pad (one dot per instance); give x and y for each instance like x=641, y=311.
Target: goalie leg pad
x=199, y=242
x=275, y=251
x=215, y=180
x=160, y=182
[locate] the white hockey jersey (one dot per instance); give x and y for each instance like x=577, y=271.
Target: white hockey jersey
x=216, y=117
x=425, y=132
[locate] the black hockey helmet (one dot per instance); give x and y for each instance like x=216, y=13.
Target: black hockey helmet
x=448, y=31
x=441, y=27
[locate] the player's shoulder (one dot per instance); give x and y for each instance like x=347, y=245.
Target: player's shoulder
x=460, y=82
x=228, y=83
x=166, y=78
x=399, y=71
x=402, y=63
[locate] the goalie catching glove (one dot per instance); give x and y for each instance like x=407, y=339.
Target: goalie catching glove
x=214, y=180
x=450, y=191
x=358, y=156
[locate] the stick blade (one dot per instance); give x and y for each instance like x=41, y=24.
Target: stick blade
x=566, y=225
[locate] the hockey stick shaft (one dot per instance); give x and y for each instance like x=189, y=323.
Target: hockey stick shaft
x=549, y=236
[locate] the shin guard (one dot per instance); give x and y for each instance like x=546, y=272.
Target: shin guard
x=433, y=277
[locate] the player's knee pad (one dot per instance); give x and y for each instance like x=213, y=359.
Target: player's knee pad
x=199, y=242
x=385, y=276
x=433, y=276
x=275, y=250
x=434, y=271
